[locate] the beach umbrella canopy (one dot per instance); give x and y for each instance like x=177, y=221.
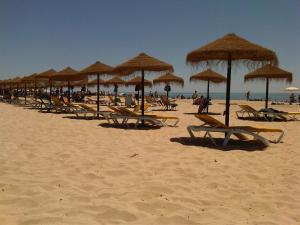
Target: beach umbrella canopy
x=167, y=79
x=228, y=49
x=98, y=69
x=68, y=74
x=209, y=76
x=143, y=63
x=291, y=89
x=115, y=81
x=269, y=72
x=95, y=82
x=47, y=75
x=138, y=81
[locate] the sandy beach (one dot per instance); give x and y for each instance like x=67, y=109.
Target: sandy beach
x=59, y=170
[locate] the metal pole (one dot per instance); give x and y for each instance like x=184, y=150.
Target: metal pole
x=228, y=91
x=98, y=97
x=207, y=96
x=69, y=92
x=50, y=81
x=25, y=95
x=267, y=93
x=143, y=93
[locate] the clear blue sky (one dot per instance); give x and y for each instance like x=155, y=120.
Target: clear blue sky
x=40, y=34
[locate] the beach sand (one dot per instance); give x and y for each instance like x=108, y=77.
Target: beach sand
x=55, y=170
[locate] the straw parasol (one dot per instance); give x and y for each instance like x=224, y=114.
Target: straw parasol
x=228, y=49
x=48, y=74
x=209, y=76
x=95, y=82
x=115, y=81
x=137, y=81
x=98, y=69
x=27, y=80
x=269, y=72
x=167, y=79
x=291, y=89
x=68, y=74
x=143, y=63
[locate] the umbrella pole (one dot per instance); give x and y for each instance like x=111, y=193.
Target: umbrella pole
x=25, y=95
x=228, y=91
x=69, y=92
x=143, y=93
x=35, y=88
x=138, y=97
x=267, y=93
x=98, y=97
x=207, y=95
x=50, y=81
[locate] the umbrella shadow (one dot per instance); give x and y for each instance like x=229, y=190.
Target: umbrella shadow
x=131, y=126
x=209, y=113
x=249, y=146
x=164, y=110
x=83, y=118
x=261, y=119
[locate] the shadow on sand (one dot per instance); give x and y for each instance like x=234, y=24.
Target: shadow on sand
x=131, y=126
x=250, y=146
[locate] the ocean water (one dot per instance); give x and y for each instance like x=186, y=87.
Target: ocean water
x=238, y=96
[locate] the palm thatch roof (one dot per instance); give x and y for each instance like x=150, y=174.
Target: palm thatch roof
x=96, y=68
x=234, y=47
x=115, y=80
x=138, y=81
x=142, y=62
x=169, y=78
x=208, y=75
x=46, y=74
x=67, y=74
x=95, y=82
x=269, y=72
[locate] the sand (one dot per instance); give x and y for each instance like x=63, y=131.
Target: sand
x=56, y=170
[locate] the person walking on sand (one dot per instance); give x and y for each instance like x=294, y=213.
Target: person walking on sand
x=248, y=95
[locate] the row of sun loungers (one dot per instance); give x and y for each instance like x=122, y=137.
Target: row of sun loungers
x=249, y=112
x=124, y=116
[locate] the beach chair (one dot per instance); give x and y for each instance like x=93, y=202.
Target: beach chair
x=167, y=103
x=153, y=118
x=45, y=105
x=267, y=114
x=211, y=125
x=59, y=105
x=87, y=109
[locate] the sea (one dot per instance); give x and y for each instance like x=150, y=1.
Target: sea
x=236, y=96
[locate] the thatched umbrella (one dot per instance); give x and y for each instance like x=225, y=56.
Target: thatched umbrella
x=94, y=82
x=231, y=48
x=209, y=76
x=98, y=69
x=142, y=63
x=291, y=89
x=268, y=73
x=68, y=74
x=26, y=81
x=137, y=81
x=115, y=81
x=48, y=74
x=167, y=79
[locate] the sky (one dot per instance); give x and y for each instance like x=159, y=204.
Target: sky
x=37, y=35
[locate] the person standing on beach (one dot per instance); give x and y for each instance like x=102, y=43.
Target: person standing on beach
x=248, y=95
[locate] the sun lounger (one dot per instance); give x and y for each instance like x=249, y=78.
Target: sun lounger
x=87, y=109
x=211, y=125
x=266, y=115
x=168, y=104
x=163, y=119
